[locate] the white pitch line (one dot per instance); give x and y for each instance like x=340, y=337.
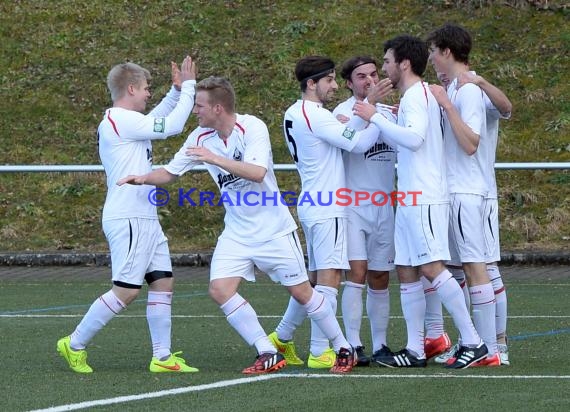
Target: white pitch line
x=16, y=315
x=234, y=382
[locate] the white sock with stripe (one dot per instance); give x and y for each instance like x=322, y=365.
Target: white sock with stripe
x=500, y=299
x=452, y=298
x=243, y=319
x=319, y=341
x=159, y=319
x=434, y=312
x=99, y=314
x=483, y=304
x=322, y=316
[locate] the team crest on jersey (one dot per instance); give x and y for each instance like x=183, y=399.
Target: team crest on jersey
x=237, y=155
x=348, y=133
x=159, y=125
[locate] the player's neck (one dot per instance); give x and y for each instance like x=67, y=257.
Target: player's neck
x=226, y=125
x=408, y=81
x=456, y=69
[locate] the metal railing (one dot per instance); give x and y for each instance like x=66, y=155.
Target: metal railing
x=277, y=167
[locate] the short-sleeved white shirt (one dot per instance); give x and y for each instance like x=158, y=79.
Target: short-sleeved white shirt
x=465, y=173
x=125, y=148
x=424, y=169
x=374, y=169
x=254, y=211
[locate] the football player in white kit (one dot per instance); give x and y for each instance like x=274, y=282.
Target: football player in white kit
x=316, y=139
x=259, y=229
x=370, y=227
x=498, y=106
x=139, y=249
x=421, y=227
x=465, y=140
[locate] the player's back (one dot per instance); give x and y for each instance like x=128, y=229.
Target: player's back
x=319, y=162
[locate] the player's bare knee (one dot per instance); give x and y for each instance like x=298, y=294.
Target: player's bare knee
x=126, y=292
x=378, y=280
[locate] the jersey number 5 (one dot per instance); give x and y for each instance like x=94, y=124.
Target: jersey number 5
x=293, y=146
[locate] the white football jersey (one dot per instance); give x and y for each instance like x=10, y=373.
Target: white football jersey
x=465, y=173
x=490, y=144
x=373, y=170
x=315, y=139
x=254, y=211
x=422, y=170
x=124, y=138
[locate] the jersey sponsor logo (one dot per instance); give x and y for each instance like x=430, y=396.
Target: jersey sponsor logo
x=225, y=180
x=378, y=148
x=237, y=155
x=348, y=133
x=159, y=125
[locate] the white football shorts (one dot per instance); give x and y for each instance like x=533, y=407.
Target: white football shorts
x=370, y=234
x=466, y=229
x=138, y=246
x=491, y=221
x=326, y=244
x=420, y=235
x=281, y=258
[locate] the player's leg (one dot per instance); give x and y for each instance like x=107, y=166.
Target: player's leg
x=229, y=266
x=127, y=274
x=467, y=225
x=329, y=247
x=283, y=261
x=492, y=240
x=411, y=293
x=354, y=285
x=381, y=254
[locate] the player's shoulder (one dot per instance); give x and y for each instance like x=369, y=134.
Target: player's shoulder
x=250, y=123
x=345, y=105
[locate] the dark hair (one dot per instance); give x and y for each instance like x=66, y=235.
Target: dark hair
x=453, y=37
x=313, y=67
x=354, y=62
x=414, y=49
x=220, y=91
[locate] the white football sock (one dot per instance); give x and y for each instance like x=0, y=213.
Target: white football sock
x=500, y=299
x=351, y=306
x=483, y=304
x=243, y=319
x=452, y=298
x=414, y=310
x=321, y=315
x=434, y=312
x=159, y=319
x=319, y=341
x=99, y=314
x=292, y=319
x=378, y=310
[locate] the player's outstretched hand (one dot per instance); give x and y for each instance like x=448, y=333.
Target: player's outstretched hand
x=188, y=69
x=131, y=180
x=176, y=76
